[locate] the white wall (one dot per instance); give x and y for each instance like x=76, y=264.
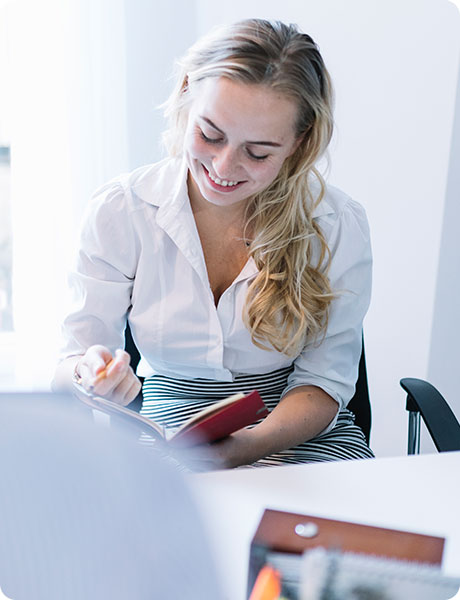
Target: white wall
x=156, y=34
x=395, y=68
x=444, y=360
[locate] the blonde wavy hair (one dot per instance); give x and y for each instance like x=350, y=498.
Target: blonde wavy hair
x=288, y=301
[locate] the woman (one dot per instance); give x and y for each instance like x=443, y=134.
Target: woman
x=235, y=265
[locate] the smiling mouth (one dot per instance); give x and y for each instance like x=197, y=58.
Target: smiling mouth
x=223, y=185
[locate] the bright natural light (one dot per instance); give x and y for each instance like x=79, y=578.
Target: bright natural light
x=65, y=139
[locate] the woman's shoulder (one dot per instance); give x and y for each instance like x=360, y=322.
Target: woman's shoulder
x=145, y=184
x=339, y=211
x=335, y=203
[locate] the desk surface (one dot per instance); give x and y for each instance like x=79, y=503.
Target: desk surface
x=413, y=493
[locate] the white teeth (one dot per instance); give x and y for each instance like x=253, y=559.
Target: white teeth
x=222, y=182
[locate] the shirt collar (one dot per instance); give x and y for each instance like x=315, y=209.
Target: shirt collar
x=162, y=184
x=165, y=185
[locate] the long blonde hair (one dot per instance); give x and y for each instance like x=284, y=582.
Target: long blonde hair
x=290, y=297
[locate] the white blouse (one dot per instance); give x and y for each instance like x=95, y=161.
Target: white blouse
x=141, y=256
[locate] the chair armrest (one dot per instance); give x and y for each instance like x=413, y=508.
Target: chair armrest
x=439, y=419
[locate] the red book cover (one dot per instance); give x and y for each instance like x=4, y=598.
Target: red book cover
x=221, y=419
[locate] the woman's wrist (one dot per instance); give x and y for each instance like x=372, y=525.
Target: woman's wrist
x=76, y=377
x=64, y=377
x=247, y=447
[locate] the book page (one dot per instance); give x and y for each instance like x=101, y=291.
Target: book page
x=109, y=407
x=329, y=573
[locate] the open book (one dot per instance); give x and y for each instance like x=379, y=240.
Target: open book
x=209, y=425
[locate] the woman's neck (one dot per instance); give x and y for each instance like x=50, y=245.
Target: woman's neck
x=228, y=216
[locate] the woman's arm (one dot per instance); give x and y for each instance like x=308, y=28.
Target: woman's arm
x=302, y=414
x=101, y=282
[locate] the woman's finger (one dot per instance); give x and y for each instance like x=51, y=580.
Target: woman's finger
x=91, y=363
x=127, y=389
x=95, y=360
x=107, y=380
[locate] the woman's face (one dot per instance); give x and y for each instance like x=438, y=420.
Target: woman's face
x=237, y=138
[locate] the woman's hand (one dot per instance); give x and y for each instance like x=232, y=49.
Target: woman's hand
x=233, y=451
x=109, y=376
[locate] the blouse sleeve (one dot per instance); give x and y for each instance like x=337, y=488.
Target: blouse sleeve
x=332, y=363
x=102, y=280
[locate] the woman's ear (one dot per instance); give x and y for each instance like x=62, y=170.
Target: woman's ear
x=297, y=143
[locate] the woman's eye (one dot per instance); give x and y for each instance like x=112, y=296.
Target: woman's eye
x=210, y=140
x=256, y=156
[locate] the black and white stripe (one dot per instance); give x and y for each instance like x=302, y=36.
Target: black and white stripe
x=172, y=401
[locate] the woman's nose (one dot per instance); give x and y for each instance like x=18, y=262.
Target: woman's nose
x=225, y=162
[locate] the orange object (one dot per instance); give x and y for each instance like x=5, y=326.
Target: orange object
x=267, y=585
x=103, y=374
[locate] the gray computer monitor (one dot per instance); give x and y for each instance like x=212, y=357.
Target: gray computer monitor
x=87, y=512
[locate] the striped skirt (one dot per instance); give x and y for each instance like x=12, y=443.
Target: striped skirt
x=172, y=401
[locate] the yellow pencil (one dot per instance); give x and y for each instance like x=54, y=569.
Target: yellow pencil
x=102, y=374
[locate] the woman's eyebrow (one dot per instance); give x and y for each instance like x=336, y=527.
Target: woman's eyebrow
x=261, y=143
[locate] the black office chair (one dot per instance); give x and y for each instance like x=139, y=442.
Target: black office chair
x=360, y=404
x=425, y=402
x=132, y=350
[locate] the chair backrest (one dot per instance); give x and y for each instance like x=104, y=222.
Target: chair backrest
x=132, y=350
x=130, y=347
x=360, y=404
x=425, y=402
